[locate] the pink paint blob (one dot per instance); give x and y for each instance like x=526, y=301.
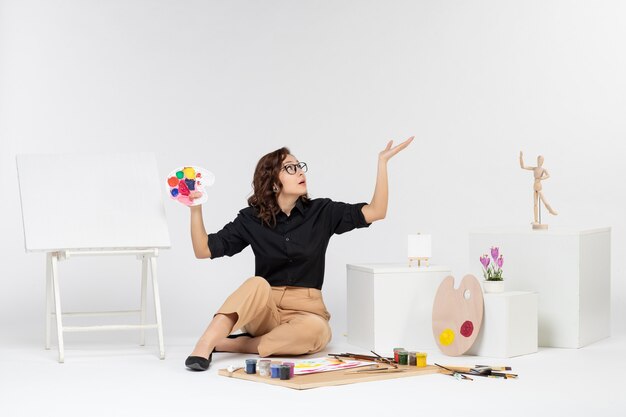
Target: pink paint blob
x=184, y=199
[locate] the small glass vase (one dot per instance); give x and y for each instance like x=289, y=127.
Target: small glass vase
x=493, y=287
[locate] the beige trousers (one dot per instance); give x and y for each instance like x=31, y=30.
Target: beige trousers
x=289, y=320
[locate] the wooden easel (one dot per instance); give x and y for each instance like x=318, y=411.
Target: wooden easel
x=419, y=261
x=53, y=297
x=77, y=205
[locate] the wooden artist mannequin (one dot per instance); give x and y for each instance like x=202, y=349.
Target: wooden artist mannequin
x=540, y=174
x=279, y=317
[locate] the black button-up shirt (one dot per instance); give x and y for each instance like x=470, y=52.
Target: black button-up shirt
x=292, y=252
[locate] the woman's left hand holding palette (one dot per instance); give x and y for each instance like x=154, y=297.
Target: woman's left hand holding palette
x=187, y=185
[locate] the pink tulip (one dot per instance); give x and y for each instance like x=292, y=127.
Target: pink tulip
x=494, y=252
x=500, y=262
x=485, y=260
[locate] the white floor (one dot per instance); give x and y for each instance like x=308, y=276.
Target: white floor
x=125, y=380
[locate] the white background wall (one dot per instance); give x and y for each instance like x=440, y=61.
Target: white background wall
x=219, y=84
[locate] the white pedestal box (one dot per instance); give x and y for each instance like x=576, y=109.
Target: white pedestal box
x=390, y=305
x=509, y=325
x=571, y=271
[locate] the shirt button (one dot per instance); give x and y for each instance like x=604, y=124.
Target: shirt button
x=291, y=260
x=287, y=239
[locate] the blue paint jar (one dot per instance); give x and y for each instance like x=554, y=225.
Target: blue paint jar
x=275, y=370
x=251, y=366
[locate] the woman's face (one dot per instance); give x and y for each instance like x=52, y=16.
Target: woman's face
x=293, y=184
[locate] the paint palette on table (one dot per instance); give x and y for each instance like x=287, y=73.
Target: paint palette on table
x=183, y=181
x=457, y=315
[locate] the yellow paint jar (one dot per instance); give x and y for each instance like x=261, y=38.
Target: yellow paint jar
x=420, y=359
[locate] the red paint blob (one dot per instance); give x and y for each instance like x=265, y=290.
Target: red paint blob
x=467, y=328
x=172, y=181
x=182, y=187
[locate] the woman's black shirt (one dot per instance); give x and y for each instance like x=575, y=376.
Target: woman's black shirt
x=293, y=252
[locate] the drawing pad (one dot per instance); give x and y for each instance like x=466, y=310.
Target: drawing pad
x=91, y=201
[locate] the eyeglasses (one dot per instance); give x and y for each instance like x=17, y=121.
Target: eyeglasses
x=293, y=168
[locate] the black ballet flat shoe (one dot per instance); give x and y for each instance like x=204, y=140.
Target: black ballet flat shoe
x=198, y=363
x=234, y=336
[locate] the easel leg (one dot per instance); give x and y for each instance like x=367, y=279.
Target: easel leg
x=57, y=305
x=157, y=304
x=48, y=297
x=144, y=287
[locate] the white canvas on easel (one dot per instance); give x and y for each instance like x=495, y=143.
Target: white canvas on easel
x=93, y=205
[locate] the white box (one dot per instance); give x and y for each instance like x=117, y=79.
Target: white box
x=571, y=271
x=390, y=305
x=509, y=325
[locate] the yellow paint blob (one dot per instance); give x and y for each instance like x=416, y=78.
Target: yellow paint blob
x=446, y=337
x=190, y=173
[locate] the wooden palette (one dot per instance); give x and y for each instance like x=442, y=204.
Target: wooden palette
x=326, y=379
x=457, y=315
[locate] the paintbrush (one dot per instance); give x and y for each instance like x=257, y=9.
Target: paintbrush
x=356, y=356
x=454, y=373
x=338, y=356
x=495, y=368
x=484, y=371
x=504, y=375
x=387, y=361
x=369, y=356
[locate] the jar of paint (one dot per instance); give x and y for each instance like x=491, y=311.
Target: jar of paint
x=251, y=366
x=420, y=359
x=264, y=367
x=275, y=370
x=403, y=357
x=284, y=372
x=412, y=360
x=395, y=353
x=292, y=367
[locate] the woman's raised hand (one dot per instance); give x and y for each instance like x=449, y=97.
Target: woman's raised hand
x=388, y=152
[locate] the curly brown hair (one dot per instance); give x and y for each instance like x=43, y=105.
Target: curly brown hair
x=265, y=176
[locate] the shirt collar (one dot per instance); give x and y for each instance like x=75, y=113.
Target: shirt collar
x=281, y=216
x=299, y=205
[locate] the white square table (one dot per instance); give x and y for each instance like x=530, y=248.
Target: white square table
x=390, y=305
x=509, y=326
